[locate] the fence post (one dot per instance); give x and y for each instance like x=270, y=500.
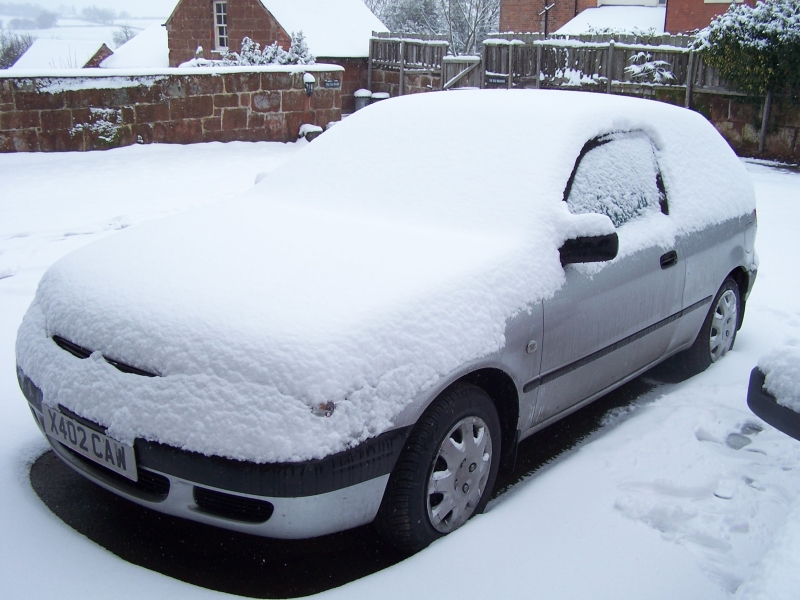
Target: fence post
x=369, y=66
x=538, y=66
x=402, y=67
x=689, y=79
x=484, y=55
x=610, y=65
x=510, y=65
x=762, y=138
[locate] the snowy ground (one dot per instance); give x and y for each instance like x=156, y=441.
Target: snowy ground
x=678, y=496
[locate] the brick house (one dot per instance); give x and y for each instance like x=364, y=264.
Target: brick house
x=688, y=15
x=337, y=31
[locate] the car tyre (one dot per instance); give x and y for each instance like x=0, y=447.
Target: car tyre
x=718, y=333
x=446, y=472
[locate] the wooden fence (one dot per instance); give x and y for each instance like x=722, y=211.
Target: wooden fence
x=598, y=62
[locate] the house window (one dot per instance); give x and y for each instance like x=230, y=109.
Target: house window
x=221, y=24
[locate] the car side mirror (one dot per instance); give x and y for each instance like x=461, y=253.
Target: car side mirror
x=597, y=248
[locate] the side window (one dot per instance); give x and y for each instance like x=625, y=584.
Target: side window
x=617, y=175
x=221, y=24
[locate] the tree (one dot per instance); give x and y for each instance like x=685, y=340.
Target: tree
x=12, y=46
x=413, y=16
x=46, y=19
x=757, y=49
x=104, y=16
x=469, y=22
x=124, y=34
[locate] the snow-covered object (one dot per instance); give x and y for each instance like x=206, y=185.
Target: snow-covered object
x=58, y=54
x=314, y=288
x=782, y=369
x=149, y=48
x=333, y=28
x=362, y=93
x=630, y=19
x=309, y=131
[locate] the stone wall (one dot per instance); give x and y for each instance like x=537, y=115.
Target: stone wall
x=355, y=77
x=80, y=112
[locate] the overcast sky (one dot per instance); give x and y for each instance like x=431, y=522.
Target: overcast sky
x=136, y=8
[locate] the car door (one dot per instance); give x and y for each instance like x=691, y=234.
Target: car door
x=609, y=320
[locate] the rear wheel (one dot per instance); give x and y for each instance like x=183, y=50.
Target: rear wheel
x=718, y=333
x=446, y=472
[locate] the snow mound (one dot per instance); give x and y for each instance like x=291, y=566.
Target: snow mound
x=147, y=49
x=324, y=283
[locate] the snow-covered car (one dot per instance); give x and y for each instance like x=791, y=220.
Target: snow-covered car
x=370, y=331
x=774, y=390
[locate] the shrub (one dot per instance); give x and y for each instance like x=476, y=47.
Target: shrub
x=756, y=49
x=12, y=46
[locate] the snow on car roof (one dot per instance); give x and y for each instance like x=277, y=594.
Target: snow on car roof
x=389, y=252
x=148, y=49
x=333, y=28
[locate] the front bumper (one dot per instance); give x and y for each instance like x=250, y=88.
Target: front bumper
x=280, y=500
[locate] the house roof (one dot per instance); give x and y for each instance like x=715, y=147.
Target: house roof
x=147, y=49
x=58, y=54
x=334, y=28
x=625, y=18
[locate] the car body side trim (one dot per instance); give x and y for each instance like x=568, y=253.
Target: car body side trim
x=582, y=362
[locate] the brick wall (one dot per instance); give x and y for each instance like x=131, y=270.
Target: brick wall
x=688, y=15
x=192, y=25
x=522, y=16
x=88, y=113
x=355, y=77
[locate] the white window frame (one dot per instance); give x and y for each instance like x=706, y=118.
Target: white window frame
x=221, y=24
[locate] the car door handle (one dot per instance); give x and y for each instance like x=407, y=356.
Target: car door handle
x=670, y=259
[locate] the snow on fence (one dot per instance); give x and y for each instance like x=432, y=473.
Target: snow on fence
x=597, y=63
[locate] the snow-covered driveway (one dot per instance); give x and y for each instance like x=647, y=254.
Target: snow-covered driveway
x=678, y=496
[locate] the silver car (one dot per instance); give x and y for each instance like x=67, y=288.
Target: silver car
x=369, y=334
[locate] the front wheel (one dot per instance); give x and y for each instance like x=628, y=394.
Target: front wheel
x=446, y=472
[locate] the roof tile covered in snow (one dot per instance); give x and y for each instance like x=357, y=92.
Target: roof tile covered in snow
x=147, y=49
x=333, y=28
x=62, y=54
x=620, y=18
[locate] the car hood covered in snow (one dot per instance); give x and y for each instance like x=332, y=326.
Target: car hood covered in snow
x=386, y=254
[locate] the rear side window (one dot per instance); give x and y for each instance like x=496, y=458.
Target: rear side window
x=617, y=175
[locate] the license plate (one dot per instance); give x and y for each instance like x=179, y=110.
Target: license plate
x=92, y=444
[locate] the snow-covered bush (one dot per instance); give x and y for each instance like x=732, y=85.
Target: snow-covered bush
x=644, y=68
x=124, y=34
x=12, y=46
x=252, y=55
x=757, y=49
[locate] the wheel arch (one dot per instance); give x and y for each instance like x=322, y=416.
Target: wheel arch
x=742, y=279
x=501, y=388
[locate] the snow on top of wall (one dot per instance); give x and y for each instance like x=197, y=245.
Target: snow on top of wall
x=334, y=28
x=619, y=18
x=58, y=54
x=147, y=49
x=324, y=283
